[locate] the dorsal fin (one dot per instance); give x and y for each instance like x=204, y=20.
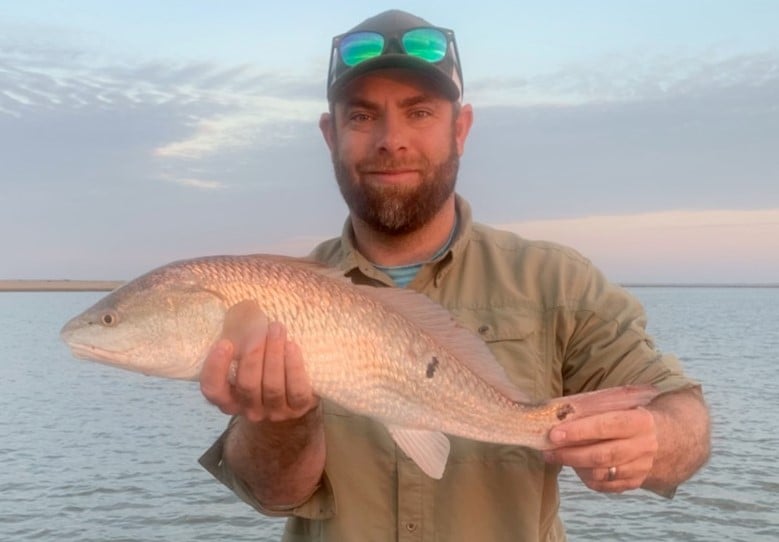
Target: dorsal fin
x=303, y=263
x=439, y=323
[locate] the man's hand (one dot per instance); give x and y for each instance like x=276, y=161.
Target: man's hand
x=656, y=447
x=270, y=381
x=611, y=452
x=277, y=443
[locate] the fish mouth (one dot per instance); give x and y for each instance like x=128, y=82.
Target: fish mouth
x=124, y=360
x=80, y=350
x=93, y=353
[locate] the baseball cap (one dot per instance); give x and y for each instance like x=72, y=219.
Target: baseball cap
x=396, y=39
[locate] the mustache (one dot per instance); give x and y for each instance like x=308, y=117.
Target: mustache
x=390, y=164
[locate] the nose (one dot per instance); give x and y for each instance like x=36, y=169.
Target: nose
x=392, y=136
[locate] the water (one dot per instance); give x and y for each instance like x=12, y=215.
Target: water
x=728, y=339
x=90, y=453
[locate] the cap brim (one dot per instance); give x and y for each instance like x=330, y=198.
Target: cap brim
x=441, y=80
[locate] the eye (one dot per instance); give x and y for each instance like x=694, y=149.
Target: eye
x=109, y=319
x=359, y=117
x=420, y=114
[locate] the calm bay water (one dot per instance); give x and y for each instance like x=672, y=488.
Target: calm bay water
x=90, y=453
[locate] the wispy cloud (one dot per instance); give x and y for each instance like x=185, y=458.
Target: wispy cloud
x=712, y=245
x=233, y=155
x=626, y=78
x=253, y=122
x=202, y=184
x=707, y=141
x=172, y=116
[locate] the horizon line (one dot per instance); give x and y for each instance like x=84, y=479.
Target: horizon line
x=78, y=285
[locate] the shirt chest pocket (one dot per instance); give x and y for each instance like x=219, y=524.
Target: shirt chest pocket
x=516, y=338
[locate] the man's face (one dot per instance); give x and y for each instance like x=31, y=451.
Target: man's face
x=395, y=143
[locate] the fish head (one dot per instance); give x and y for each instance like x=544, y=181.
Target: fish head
x=161, y=324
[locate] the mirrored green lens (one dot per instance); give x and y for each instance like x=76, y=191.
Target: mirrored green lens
x=360, y=46
x=426, y=43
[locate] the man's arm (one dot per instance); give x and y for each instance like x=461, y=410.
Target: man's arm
x=657, y=447
x=683, y=437
x=276, y=445
x=280, y=462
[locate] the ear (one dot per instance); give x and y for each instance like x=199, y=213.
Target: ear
x=462, y=126
x=327, y=127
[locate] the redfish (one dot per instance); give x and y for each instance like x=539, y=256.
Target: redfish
x=387, y=353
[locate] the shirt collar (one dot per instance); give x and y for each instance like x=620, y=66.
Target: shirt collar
x=354, y=260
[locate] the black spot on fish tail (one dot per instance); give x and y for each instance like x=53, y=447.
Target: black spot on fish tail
x=431, y=367
x=564, y=410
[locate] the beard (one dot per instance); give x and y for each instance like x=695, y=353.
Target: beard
x=392, y=209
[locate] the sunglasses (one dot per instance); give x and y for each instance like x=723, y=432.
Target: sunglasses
x=431, y=44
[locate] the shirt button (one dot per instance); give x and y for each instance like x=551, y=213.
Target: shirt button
x=411, y=526
x=484, y=329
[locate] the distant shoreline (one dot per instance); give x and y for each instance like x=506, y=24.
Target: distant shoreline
x=59, y=285
x=699, y=285
x=25, y=285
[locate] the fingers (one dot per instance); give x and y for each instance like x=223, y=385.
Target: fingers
x=270, y=381
x=603, y=454
x=623, y=477
x=250, y=357
x=624, y=441
x=274, y=393
x=214, y=384
x=300, y=395
x=610, y=425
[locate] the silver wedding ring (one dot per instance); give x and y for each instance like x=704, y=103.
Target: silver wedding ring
x=612, y=474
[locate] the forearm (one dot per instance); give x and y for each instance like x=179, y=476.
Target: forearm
x=683, y=439
x=280, y=462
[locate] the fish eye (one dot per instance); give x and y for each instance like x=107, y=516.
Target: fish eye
x=109, y=319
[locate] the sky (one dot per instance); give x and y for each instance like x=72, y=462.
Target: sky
x=644, y=134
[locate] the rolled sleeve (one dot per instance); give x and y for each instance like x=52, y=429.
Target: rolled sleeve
x=319, y=505
x=606, y=343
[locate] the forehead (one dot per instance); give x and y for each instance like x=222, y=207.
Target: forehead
x=389, y=84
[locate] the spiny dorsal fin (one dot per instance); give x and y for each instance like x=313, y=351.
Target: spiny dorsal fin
x=303, y=263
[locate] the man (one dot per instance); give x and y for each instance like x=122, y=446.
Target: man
x=396, y=128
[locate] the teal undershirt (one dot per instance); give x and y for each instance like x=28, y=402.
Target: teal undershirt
x=402, y=275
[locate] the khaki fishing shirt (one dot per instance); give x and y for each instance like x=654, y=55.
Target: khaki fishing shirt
x=556, y=326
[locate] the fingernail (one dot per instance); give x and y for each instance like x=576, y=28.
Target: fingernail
x=557, y=435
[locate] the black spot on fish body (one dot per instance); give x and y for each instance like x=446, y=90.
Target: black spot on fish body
x=564, y=411
x=431, y=367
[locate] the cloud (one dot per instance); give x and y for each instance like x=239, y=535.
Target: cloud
x=205, y=158
x=257, y=121
x=707, y=141
x=176, y=121
x=202, y=184
x=619, y=78
x=672, y=246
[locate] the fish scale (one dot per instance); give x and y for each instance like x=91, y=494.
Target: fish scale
x=386, y=353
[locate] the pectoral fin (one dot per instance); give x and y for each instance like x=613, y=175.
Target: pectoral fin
x=428, y=449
